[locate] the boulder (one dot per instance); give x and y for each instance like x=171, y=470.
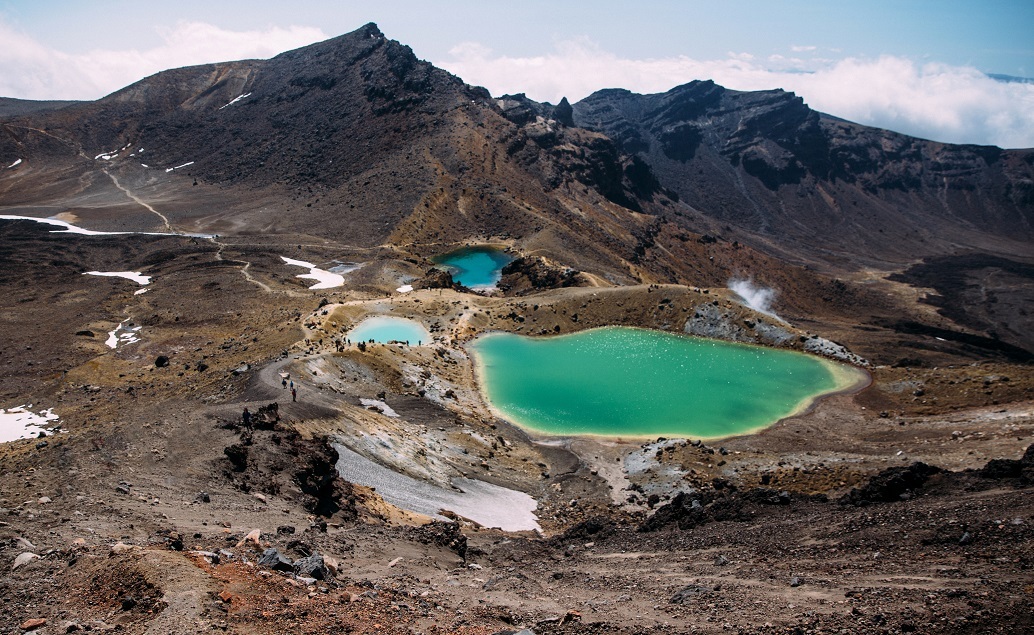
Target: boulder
x=271, y=558
x=23, y=559
x=312, y=567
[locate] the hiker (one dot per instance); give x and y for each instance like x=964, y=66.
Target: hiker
x=246, y=417
x=284, y=383
x=294, y=393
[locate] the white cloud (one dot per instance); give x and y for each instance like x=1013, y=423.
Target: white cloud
x=29, y=70
x=934, y=101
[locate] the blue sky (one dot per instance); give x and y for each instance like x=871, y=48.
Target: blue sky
x=913, y=66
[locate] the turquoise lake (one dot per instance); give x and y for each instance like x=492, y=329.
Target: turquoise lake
x=384, y=329
x=474, y=267
x=630, y=382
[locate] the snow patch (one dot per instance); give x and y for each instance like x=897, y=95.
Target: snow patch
x=140, y=291
x=406, y=288
x=21, y=423
x=235, y=100
x=167, y=170
x=68, y=228
x=484, y=503
x=123, y=335
x=135, y=276
x=324, y=279
x=14, y=164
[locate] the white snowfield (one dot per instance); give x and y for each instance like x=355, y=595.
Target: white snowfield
x=14, y=164
x=135, y=276
x=406, y=288
x=484, y=503
x=21, y=423
x=68, y=228
x=324, y=279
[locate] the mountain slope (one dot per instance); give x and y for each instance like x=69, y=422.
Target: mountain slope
x=815, y=187
x=353, y=139
x=355, y=144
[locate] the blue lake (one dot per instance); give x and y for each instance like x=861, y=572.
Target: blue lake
x=384, y=329
x=474, y=267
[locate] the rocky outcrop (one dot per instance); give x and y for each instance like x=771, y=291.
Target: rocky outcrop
x=325, y=494
x=530, y=274
x=436, y=278
x=892, y=484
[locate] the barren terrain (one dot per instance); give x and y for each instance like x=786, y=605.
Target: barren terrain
x=903, y=505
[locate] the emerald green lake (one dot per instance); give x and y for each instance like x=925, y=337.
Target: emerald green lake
x=630, y=382
x=474, y=267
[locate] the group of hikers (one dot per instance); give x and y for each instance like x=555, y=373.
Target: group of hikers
x=286, y=383
x=294, y=392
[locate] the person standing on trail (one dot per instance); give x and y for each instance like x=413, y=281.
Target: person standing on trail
x=294, y=393
x=284, y=382
x=246, y=417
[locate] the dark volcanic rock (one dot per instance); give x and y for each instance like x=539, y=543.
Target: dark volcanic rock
x=238, y=455
x=594, y=528
x=1022, y=468
x=273, y=559
x=325, y=493
x=312, y=567
x=444, y=534
x=892, y=484
x=529, y=274
x=436, y=278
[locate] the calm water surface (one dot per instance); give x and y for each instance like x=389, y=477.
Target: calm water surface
x=475, y=266
x=621, y=381
x=383, y=329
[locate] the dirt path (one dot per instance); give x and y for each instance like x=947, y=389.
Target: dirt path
x=136, y=199
x=244, y=268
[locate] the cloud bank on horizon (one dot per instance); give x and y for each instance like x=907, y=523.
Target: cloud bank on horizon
x=954, y=104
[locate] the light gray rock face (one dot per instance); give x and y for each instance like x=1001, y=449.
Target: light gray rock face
x=718, y=323
x=826, y=348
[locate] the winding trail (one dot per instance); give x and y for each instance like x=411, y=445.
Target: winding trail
x=244, y=269
x=114, y=179
x=135, y=198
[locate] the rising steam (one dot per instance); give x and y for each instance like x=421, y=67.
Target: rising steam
x=758, y=298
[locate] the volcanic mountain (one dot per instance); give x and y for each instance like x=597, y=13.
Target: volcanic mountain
x=353, y=138
x=356, y=140
x=817, y=187
x=185, y=489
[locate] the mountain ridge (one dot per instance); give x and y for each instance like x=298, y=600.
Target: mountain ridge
x=356, y=140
